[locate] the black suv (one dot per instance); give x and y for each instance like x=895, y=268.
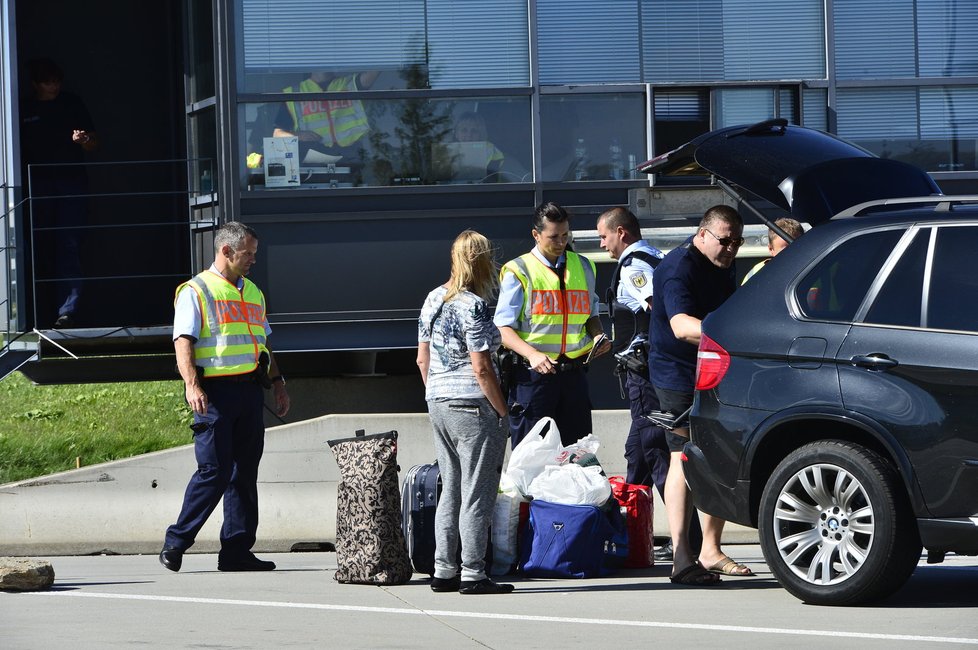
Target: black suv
x=837, y=391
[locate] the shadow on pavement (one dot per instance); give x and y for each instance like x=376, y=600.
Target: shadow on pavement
x=937, y=586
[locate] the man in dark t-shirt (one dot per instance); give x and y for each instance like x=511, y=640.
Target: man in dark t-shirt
x=56, y=132
x=690, y=282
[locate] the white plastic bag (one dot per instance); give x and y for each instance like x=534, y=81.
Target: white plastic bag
x=532, y=455
x=505, y=527
x=586, y=446
x=571, y=484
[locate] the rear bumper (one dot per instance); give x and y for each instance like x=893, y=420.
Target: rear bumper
x=711, y=496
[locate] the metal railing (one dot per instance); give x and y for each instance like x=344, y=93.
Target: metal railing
x=18, y=347
x=119, y=236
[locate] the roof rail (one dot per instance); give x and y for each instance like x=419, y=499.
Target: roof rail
x=941, y=203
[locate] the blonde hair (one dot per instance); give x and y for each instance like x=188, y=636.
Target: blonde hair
x=473, y=267
x=788, y=225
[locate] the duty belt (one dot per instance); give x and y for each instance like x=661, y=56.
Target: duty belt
x=565, y=365
x=245, y=378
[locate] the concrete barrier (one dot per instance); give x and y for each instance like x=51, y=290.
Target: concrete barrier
x=125, y=506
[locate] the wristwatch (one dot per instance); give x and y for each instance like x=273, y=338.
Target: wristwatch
x=278, y=378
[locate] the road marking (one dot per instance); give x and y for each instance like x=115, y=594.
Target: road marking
x=835, y=634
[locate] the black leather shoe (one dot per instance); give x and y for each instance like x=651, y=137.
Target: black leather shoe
x=486, y=586
x=171, y=558
x=663, y=553
x=243, y=562
x=445, y=584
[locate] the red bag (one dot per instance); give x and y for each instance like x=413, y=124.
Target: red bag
x=636, y=502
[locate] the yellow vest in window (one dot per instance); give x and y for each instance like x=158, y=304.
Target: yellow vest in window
x=338, y=121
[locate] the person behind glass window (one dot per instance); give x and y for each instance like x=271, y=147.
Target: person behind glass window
x=456, y=340
x=471, y=127
x=334, y=127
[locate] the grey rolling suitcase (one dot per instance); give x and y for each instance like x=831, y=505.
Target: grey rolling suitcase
x=419, y=498
x=419, y=502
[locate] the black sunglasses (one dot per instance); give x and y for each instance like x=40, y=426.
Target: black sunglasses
x=726, y=242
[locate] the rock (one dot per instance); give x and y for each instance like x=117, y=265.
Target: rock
x=24, y=574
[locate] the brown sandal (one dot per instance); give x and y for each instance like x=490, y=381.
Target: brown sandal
x=729, y=567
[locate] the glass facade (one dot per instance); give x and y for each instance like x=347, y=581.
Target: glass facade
x=933, y=127
x=200, y=50
x=393, y=142
x=421, y=43
x=588, y=137
x=202, y=131
x=389, y=93
x=732, y=40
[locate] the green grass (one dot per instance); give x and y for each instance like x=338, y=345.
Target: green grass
x=44, y=429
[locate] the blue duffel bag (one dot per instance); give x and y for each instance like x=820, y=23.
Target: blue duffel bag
x=572, y=541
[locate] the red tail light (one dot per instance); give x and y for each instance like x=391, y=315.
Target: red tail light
x=712, y=363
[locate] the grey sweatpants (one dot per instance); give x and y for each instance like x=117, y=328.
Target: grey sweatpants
x=470, y=442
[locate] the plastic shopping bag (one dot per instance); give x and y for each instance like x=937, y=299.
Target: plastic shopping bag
x=532, y=455
x=583, y=452
x=636, y=503
x=571, y=484
x=505, y=532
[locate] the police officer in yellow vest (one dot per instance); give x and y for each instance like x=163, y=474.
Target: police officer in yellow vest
x=548, y=314
x=220, y=335
x=330, y=126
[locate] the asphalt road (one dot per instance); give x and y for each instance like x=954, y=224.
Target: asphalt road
x=131, y=601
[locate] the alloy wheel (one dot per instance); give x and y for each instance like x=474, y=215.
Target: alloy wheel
x=824, y=524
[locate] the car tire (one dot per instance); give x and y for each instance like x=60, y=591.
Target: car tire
x=835, y=526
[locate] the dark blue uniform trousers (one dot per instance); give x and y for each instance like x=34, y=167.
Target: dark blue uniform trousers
x=645, y=448
x=228, y=442
x=562, y=396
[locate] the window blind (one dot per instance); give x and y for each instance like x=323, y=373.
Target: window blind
x=949, y=113
x=688, y=105
x=773, y=39
x=874, y=39
x=947, y=34
x=478, y=44
x=743, y=105
x=682, y=41
x=877, y=113
x=581, y=41
x=303, y=35
x=815, y=107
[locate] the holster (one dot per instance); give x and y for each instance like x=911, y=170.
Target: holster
x=261, y=372
x=633, y=359
x=506, y=362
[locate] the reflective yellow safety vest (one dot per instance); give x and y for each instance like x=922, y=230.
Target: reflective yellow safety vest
x=232, y=329
x=554, y=311
x=339, y=121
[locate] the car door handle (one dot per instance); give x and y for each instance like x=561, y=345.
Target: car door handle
x=874, y=361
